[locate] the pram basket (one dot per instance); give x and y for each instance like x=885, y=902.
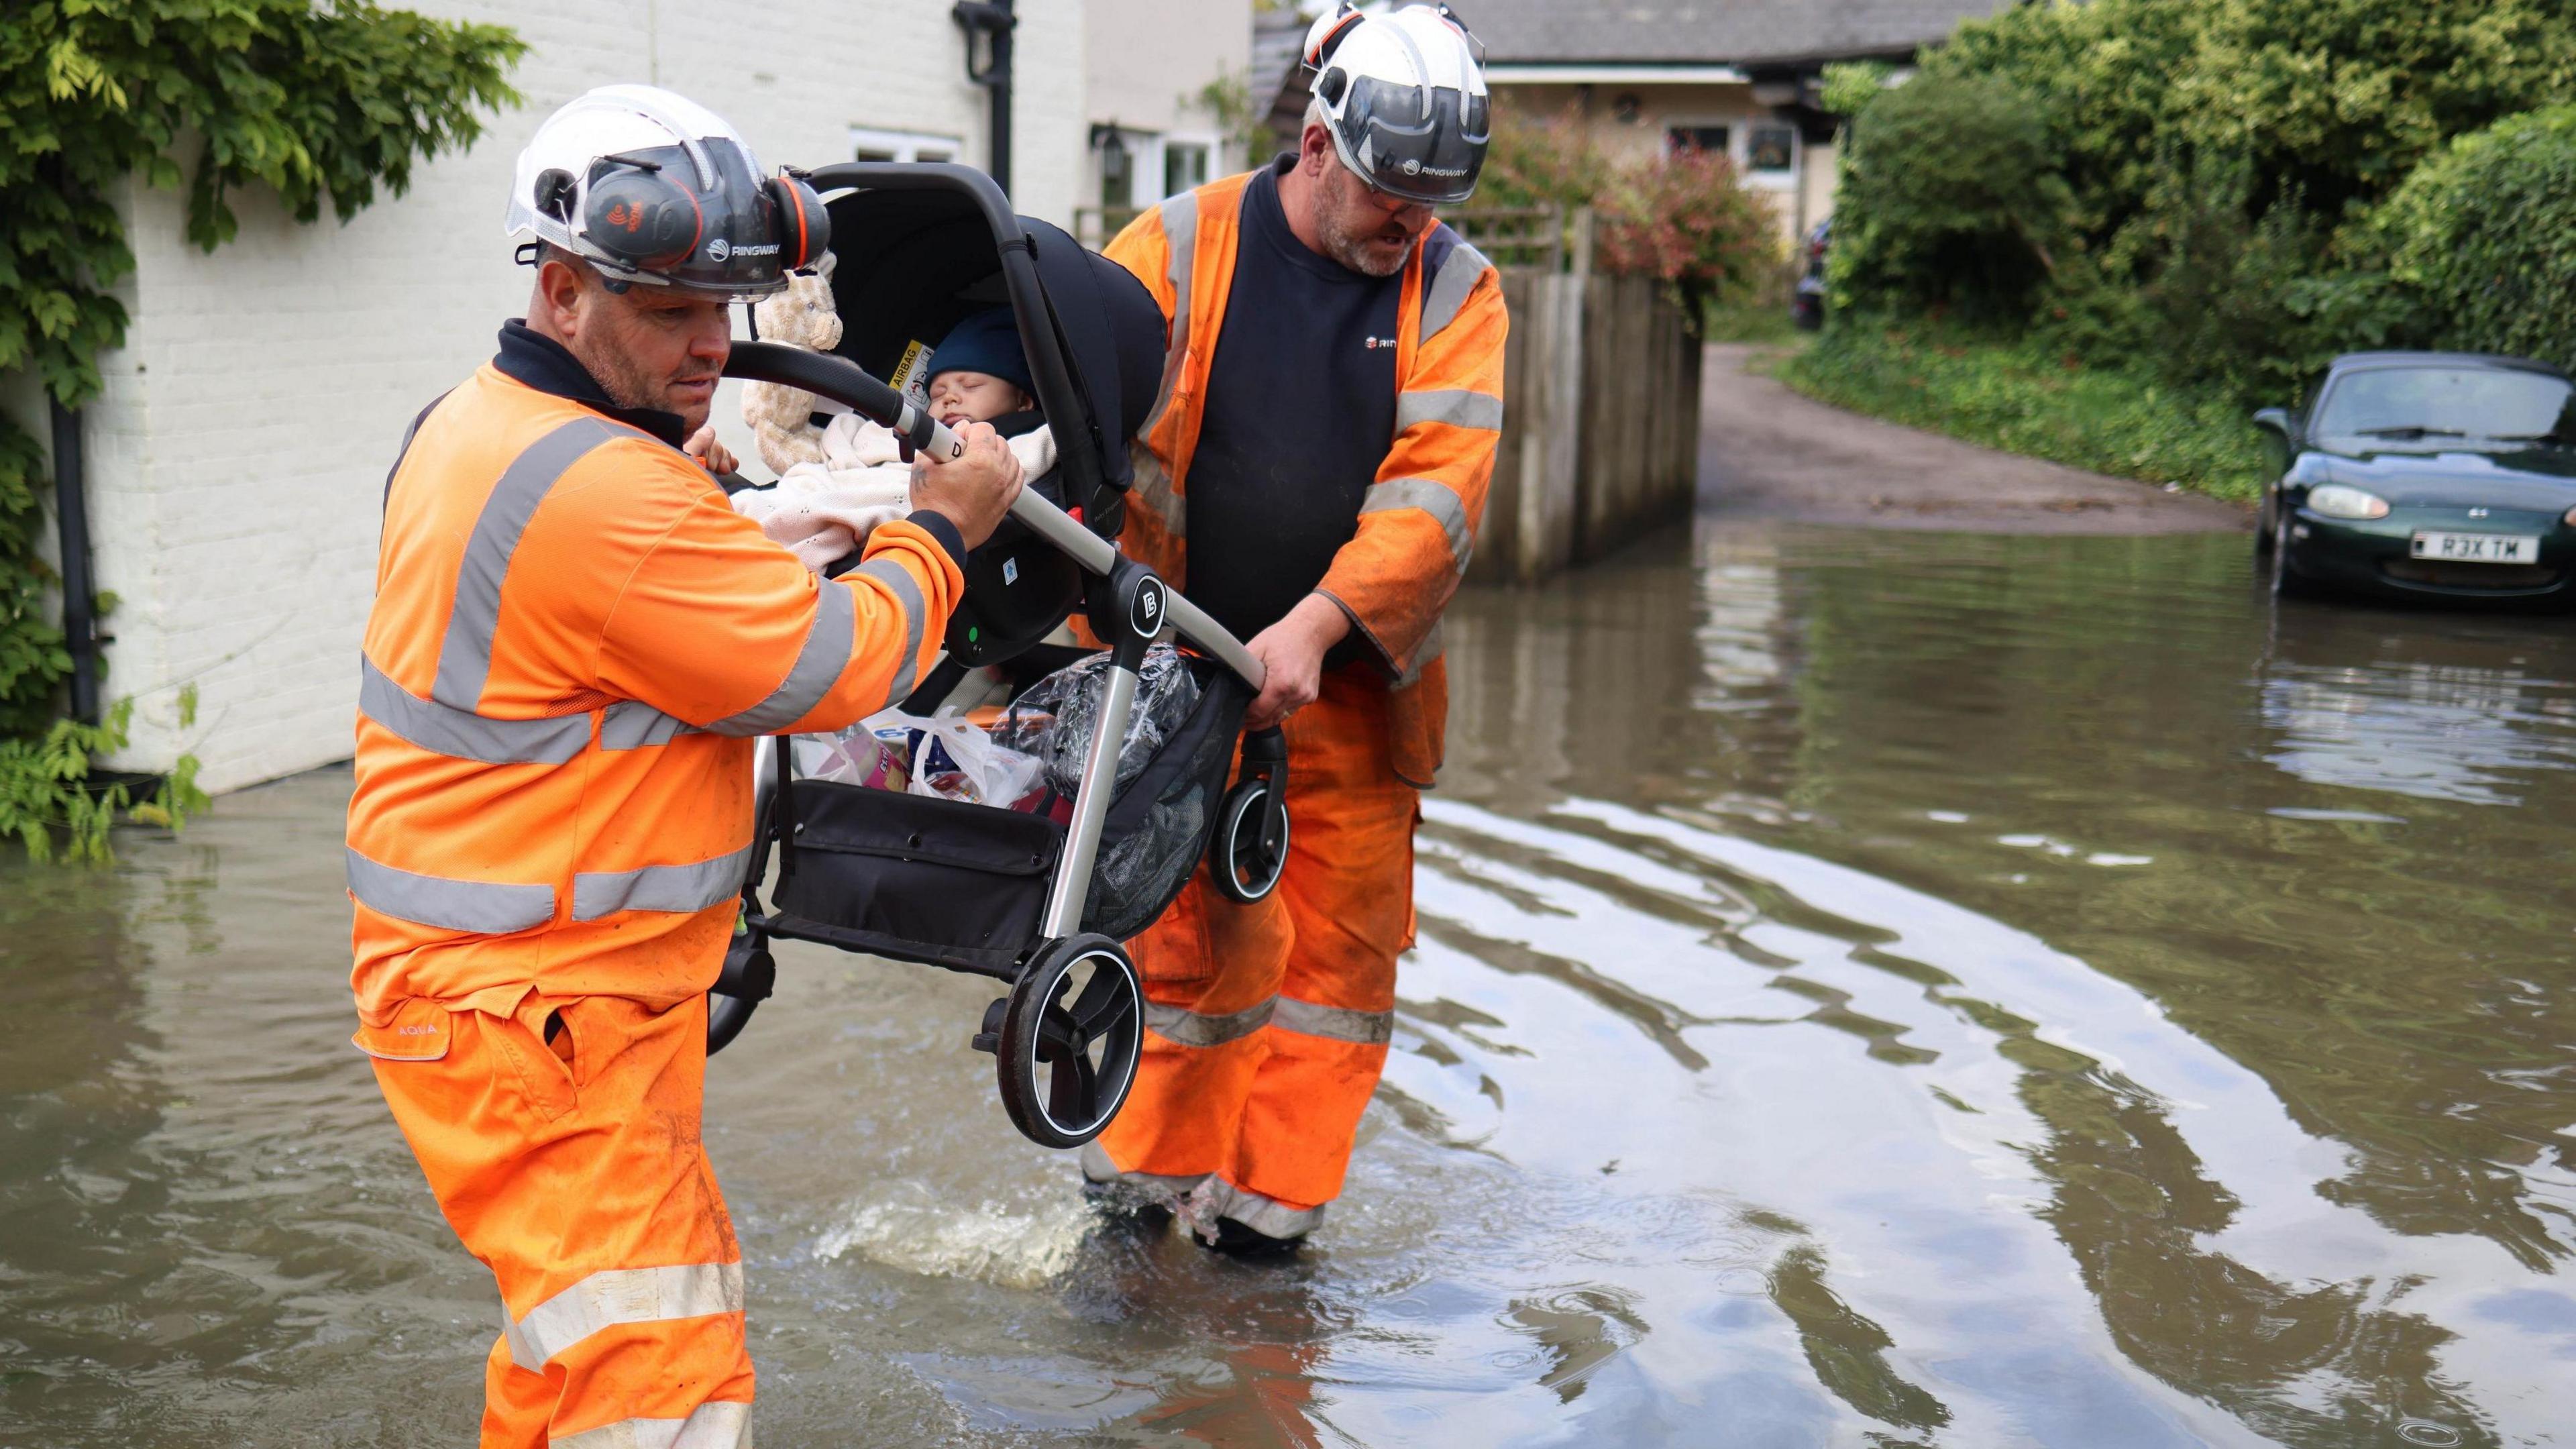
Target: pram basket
x=975, y=888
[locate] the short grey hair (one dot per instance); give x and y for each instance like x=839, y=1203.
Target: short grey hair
x=1316, y=115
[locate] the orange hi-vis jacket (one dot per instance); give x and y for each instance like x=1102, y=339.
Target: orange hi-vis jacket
x=1418, y=521
x=573, y=642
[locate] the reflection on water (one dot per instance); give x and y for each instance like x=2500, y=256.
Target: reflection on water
x=1873, y=990
x=2441, y=731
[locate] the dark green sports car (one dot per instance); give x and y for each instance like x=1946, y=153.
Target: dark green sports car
x=2426, y=475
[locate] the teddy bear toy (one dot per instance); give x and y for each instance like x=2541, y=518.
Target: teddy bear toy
x=781, y=418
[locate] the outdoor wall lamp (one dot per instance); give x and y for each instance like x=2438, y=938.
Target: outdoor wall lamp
x=1111, y=143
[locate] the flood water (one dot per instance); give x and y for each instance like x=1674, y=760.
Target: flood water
x=1874, y=990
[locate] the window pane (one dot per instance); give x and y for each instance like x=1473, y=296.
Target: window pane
x=2470, y=402
x=1711, y=139
x=1772, y=148
x=1184, y=166
x=870, y=154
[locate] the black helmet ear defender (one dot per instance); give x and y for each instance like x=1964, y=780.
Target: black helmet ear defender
x=804, y=227
x=642, y=217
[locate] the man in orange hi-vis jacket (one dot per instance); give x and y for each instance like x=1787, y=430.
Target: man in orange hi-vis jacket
x=1312, y=476
x=573, y=643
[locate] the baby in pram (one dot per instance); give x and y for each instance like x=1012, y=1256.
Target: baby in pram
x=823, y=511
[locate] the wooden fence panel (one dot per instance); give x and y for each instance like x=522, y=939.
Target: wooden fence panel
x=1600, y=423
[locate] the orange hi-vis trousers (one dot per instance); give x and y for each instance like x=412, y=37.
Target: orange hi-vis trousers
x=1268, y=1023
x=573, y=1170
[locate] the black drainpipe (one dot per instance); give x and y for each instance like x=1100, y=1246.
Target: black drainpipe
x=993, y=21
x=80, y=595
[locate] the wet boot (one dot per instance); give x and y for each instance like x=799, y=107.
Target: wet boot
x=1118, y=1205
x=1237, y=1241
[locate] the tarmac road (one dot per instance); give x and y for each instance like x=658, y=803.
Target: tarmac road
x=1768, y=452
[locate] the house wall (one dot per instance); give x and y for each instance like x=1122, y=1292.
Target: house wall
x=237, y=456
x=1795, y=195
x=1146, y=61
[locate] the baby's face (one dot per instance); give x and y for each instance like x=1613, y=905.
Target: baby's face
x=961, y=396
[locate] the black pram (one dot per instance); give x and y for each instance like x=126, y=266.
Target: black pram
x=1017, y=897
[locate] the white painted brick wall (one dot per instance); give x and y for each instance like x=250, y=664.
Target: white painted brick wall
x=238, y=453
x=1148, y=59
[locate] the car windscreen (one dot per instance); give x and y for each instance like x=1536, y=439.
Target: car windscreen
x=2400, y=403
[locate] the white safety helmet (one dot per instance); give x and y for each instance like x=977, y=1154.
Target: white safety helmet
x=650, y=187
x=1404, y=93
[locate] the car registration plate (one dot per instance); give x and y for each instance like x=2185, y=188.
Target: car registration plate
x=2494, y=548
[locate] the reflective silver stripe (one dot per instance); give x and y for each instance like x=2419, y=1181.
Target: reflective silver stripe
x=907, y=592
x=462, y=734
x=1181, y=248
x=485, y=907
x=1434, y=498
x=1153, y=487
x=1445, y=293
x=1190, y=1029
x=1099, y=1167
x=1367, y=1028
x=818, y=667
x=631, y=724
x=1428, y=650
x=465, y=655
x=723, y=1425
x=1458, y=407
x=1219, y=1198
x=1153, y=484
x=709, y=1426
x=691, y=887
x=622, y=1295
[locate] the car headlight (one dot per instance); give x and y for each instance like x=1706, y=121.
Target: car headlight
x=2338, y=501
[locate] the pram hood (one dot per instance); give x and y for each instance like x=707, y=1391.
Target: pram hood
x=914, y=263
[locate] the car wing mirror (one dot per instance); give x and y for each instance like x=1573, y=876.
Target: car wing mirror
x=2278, y=420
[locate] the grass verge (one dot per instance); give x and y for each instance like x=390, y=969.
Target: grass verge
x=1766, y=322
x=2018, y=398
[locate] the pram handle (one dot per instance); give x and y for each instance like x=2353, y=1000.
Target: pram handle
x=845, y=381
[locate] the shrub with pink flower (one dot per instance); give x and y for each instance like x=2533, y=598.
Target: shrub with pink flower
x=1684, y=217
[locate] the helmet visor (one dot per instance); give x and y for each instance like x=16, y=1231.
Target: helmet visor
x=1422, y=143
x=738, y=247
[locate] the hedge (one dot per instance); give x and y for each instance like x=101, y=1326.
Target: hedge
x=2481, y=240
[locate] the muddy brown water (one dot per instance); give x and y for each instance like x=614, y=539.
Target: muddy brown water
x=1874, y=990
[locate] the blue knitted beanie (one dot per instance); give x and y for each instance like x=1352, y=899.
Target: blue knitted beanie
x=987, y=342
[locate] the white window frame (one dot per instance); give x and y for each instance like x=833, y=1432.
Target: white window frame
x=1215, y=152
x=1734, y=133
x=906, y=146
x=1144, y=159
x=1739, y=146
x=1785, y=179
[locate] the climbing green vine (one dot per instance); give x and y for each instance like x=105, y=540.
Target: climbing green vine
x=311, y=100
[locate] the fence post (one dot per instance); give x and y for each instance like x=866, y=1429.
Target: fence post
x=1552, y=460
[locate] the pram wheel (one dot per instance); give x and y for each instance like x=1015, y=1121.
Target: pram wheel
x=1065, y=1040
x=1250, y=847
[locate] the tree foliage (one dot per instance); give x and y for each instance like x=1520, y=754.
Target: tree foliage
x=1950, y=194
x=1242, y=118
x=2211, y=168
x=314, y=101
